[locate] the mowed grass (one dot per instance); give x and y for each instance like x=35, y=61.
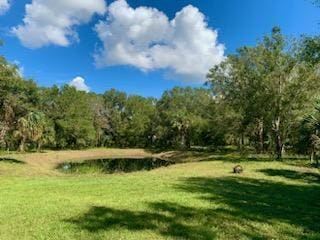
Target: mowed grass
x=196, y=200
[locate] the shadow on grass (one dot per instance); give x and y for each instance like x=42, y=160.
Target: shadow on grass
x=291, y=174
x=236, y=159
x=164, y=218
x=262, y=201
x=234, y=207
x=11, y=160
x=301, y=163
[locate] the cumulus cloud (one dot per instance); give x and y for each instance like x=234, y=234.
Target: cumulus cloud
x=145, y=38
x=80, y=84
x=4, y=6
x=53, y=21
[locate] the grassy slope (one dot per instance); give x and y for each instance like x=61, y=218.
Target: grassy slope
x=200, y=200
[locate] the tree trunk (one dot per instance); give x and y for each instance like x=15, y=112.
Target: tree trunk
x=241, y=142
x=312, y=154
x=277, y=124
x=39, y=147
x=188, y=143
x=2, y=134
x=261, y=139
x=22, y=145
x=279, y=147
x=183, y=140
x=278, y=139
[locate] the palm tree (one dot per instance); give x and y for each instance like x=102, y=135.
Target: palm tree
x=22, y=132
x=314, y=125
x=32, y=128
x=37, y=123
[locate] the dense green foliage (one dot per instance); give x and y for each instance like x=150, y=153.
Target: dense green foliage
x=271, y=87
x=260, y=97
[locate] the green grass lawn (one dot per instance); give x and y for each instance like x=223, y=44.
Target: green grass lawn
x=200, y=200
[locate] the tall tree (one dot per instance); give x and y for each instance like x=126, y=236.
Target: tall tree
x=139, y=113
x=182, y=112
x=17, y=97
x=73, y=118
x=267, y=83
x=309, y=50
x=115, y=102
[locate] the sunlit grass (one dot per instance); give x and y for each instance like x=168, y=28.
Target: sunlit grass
x=199, y=200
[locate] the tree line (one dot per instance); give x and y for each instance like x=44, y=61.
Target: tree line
x=264, y=97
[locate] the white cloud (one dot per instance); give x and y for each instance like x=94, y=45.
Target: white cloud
x=145, y=38
x=4, y=6
x=53, y=21
x=80, y=84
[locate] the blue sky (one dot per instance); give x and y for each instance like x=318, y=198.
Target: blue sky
x=237, y=23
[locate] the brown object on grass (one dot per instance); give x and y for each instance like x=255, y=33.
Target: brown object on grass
x=238, y=169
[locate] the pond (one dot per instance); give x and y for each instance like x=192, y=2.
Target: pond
x=113, y=165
